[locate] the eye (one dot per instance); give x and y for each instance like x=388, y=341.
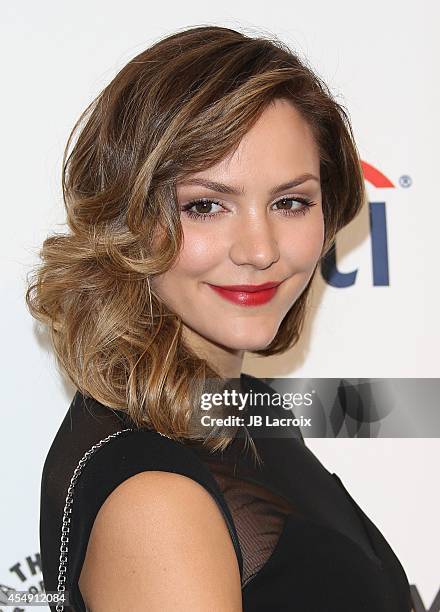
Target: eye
x=304, y=205
x=204, y=206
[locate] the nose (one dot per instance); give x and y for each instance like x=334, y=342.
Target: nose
x=255, y=242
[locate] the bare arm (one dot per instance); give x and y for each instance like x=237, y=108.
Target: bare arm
x=159, y=543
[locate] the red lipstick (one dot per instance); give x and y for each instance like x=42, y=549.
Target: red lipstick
x=247, y=295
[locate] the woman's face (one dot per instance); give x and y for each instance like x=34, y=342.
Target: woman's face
x=251, y=228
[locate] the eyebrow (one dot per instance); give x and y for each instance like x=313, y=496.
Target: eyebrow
x=229, y=189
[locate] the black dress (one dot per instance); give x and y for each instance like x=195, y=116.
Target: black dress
x=302, y=542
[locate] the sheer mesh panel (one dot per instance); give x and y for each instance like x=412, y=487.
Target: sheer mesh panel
x=259, y=516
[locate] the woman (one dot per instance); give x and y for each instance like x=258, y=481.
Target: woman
x=213, y=160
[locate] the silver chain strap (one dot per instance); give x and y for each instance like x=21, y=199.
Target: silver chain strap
x=67, y=511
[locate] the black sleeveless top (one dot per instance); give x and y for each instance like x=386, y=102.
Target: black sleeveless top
x=302, y=542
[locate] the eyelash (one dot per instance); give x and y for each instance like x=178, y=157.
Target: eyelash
x=305, y=208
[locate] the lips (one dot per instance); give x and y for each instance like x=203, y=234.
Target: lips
x=249, y=288
x=247, y=295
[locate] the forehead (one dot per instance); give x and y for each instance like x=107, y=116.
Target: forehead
x=279, y=144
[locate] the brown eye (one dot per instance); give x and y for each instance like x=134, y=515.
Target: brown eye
x=203, y=206
x=288, y=210
x=286, y=203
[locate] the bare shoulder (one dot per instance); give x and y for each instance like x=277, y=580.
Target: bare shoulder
x=160, y=542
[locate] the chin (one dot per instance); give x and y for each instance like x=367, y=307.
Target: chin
x=250, y=341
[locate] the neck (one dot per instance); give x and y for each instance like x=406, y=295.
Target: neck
x=227, y=362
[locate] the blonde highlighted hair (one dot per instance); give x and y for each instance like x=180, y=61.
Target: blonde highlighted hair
x=176, y=108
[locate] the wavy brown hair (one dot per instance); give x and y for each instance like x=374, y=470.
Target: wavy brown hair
x=176, y=108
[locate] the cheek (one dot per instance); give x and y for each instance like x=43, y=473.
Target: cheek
x=303, y=245
x=202, y=250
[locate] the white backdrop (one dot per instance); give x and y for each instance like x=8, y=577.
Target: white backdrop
x=381, y=60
